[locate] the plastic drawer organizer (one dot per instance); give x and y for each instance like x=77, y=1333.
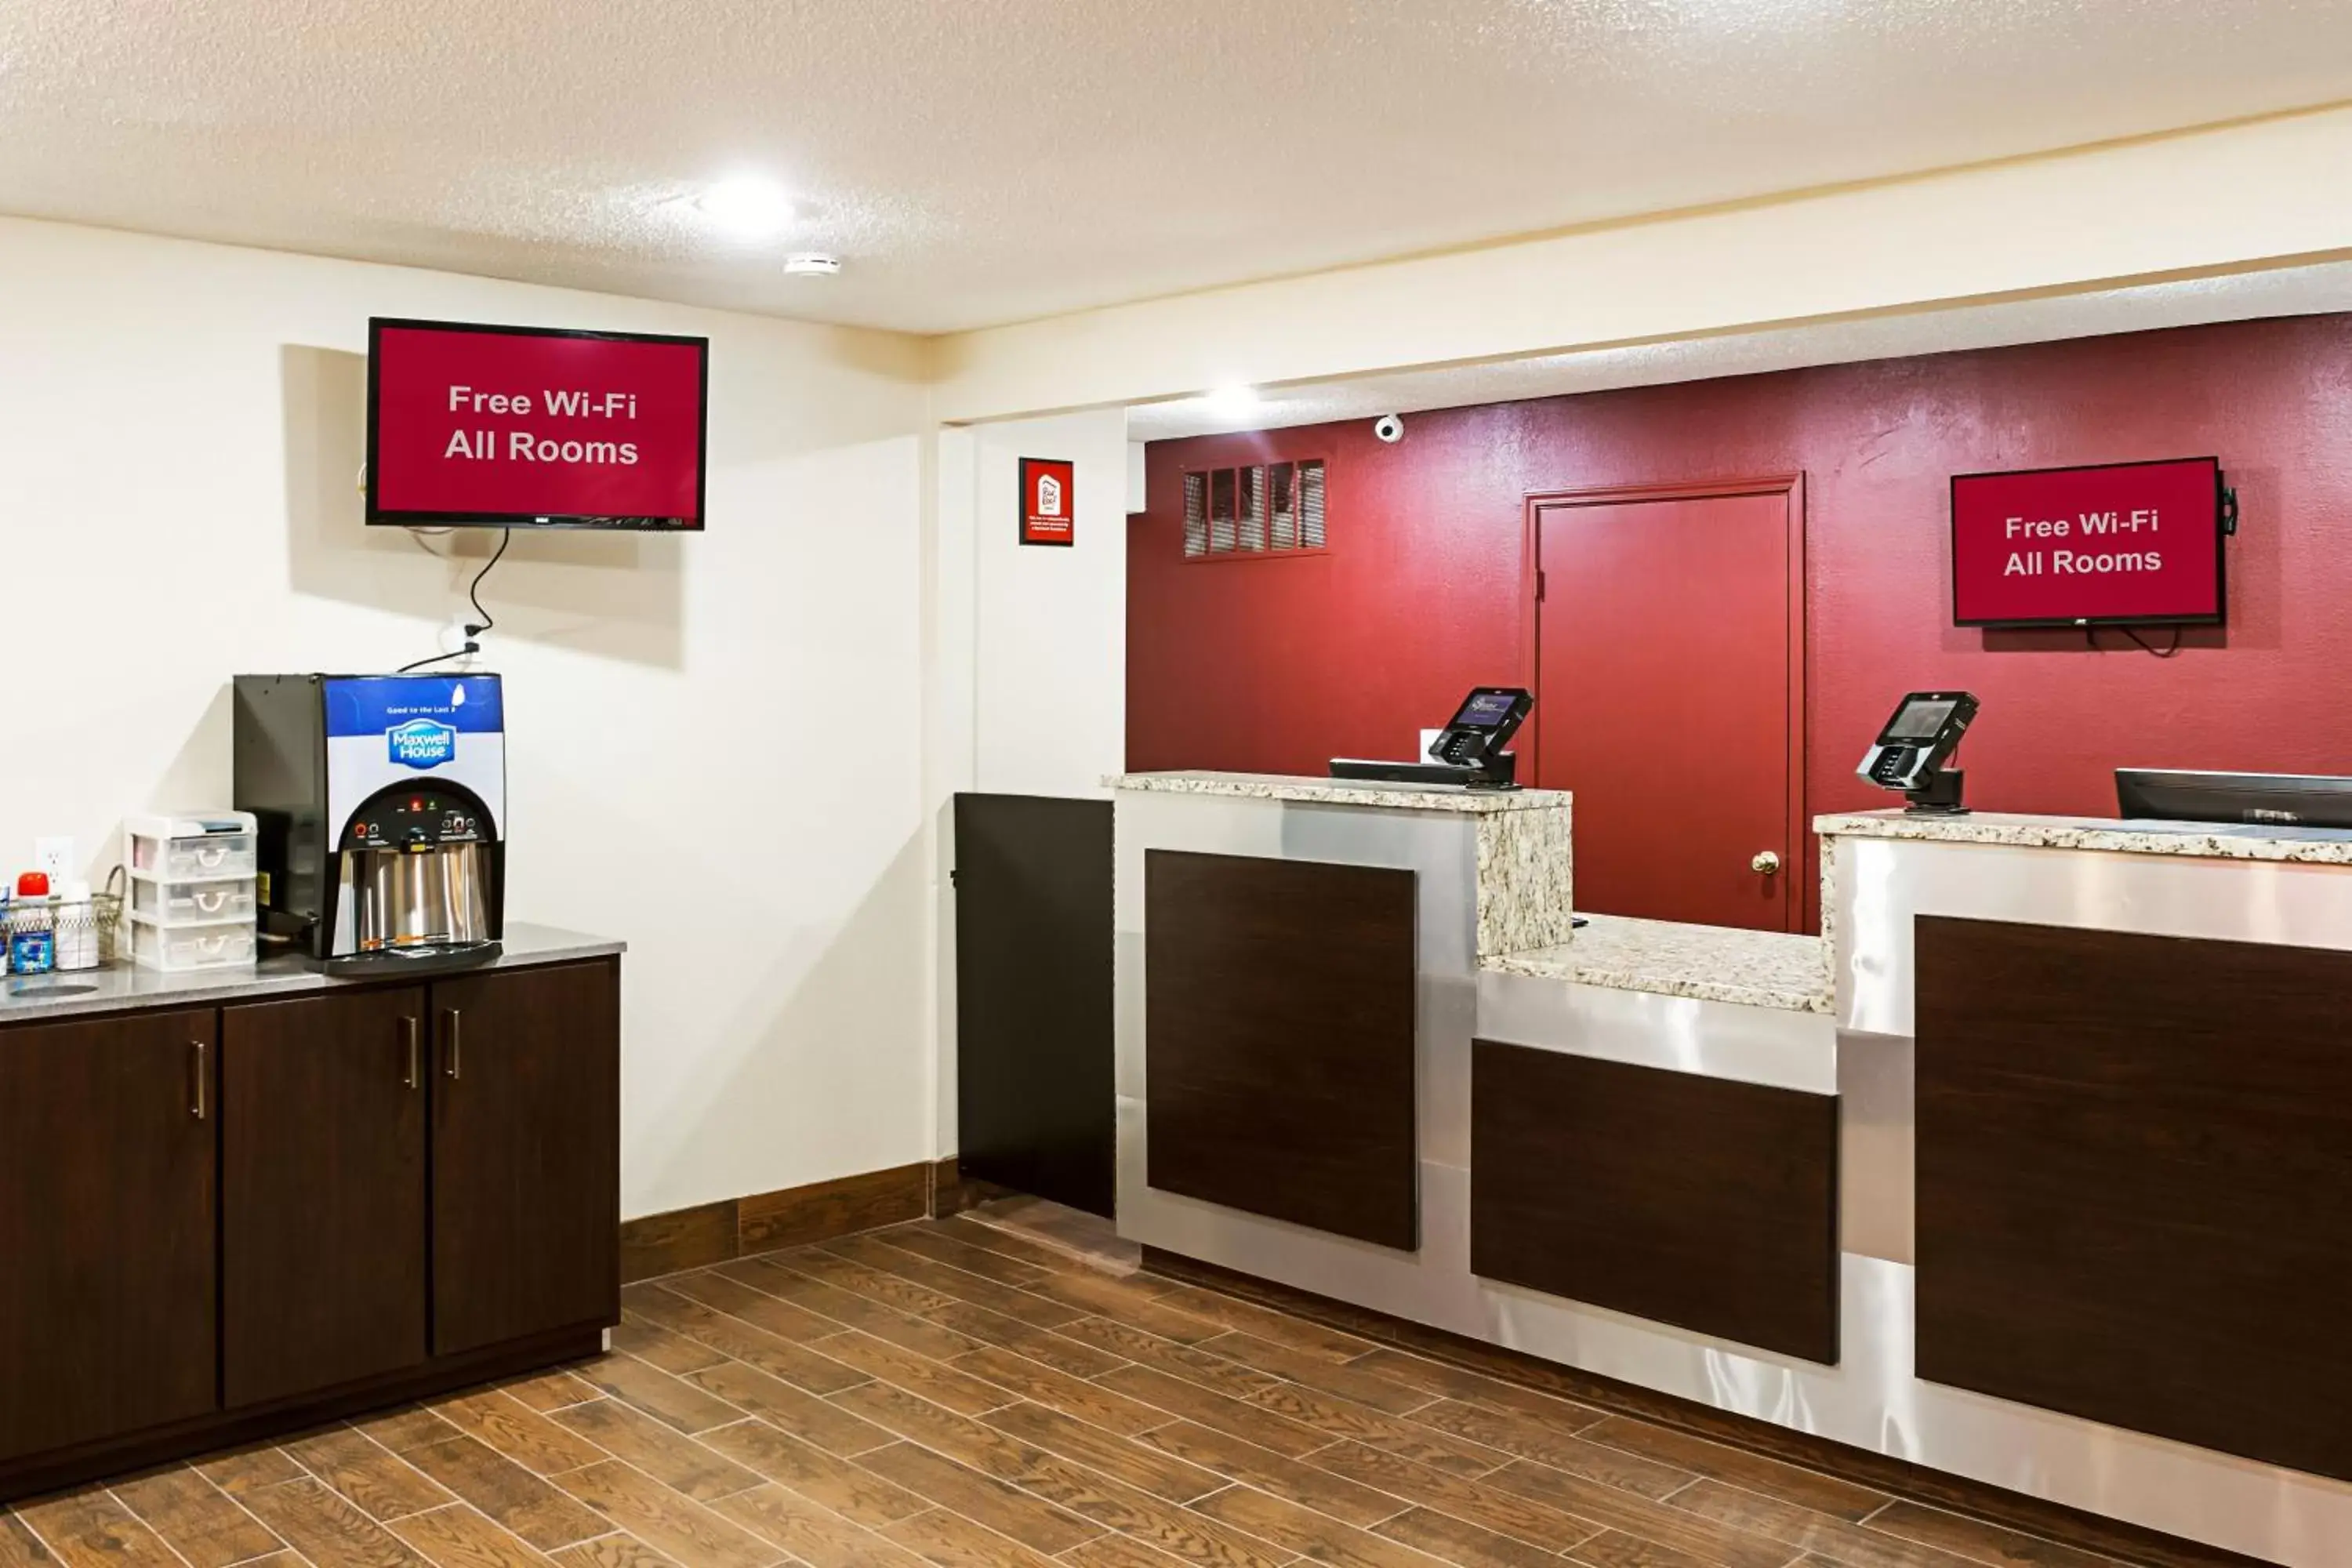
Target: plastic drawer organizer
x=193, y=891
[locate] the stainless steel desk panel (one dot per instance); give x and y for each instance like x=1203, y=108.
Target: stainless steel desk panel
x=1869, y=1400
x=1878, y=884
x=1771, y=1046
x=1440, y=847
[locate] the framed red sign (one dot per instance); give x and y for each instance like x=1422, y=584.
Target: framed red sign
x=1048, y=501
x=2110, y=544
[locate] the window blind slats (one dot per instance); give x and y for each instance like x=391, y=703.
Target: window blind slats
x=1261, y=509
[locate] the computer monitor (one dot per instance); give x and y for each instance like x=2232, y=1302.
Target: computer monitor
x=2281, y=800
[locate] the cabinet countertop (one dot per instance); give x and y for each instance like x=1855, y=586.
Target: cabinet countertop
x=124, y=987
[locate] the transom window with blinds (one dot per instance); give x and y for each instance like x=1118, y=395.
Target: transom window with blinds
x=1261, y=513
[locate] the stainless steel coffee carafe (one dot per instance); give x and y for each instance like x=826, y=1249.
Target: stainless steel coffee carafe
x=419, y=896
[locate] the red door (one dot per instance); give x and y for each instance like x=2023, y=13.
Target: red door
x=1669, y=666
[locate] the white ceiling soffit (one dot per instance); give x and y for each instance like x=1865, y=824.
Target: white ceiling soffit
x=978, y=162
x=2287, y=291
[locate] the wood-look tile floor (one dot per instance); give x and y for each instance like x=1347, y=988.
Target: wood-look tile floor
x=958, y=1394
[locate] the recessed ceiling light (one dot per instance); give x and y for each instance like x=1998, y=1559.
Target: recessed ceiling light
x=812, y=264
x=746, y=206
x=1236, y=402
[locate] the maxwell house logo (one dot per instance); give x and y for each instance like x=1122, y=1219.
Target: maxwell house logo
x=422, y=743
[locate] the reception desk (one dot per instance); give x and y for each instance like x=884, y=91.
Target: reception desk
x=2032, y=1168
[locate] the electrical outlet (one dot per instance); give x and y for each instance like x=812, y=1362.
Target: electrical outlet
x=55, y=857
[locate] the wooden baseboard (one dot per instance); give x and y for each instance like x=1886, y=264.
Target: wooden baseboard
x=2052, y=1521
x=712, y=1232
x=677, y=1240
x=953, y=1192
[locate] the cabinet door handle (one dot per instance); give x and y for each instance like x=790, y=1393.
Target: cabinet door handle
x=409, y=1030
x=450, y=1064
x=197, y=1079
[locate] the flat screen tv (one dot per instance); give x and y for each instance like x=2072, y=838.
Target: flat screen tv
x=2109, y=544
x=528, y=426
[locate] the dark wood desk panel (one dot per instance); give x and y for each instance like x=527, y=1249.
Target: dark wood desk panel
x=1037, y=1096
x=1701, y=1202
x=2134, y=1173
x=1278, y=1055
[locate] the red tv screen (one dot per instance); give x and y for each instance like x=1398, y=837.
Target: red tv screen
x=2117, y=543
x=524, y=426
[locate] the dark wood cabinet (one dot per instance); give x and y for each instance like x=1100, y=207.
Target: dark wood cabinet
x=222, y=1223
x=526, y=1153
x=107, y=1227
x=323, y=1192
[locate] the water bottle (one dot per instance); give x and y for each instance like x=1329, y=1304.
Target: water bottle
x=32, y=931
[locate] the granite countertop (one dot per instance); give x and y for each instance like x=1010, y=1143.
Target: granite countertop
x=1342, y=791
x=124, y=987
x=2224, y=841
x=1710, y=963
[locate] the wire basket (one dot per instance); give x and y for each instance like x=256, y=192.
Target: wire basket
x=72, y=925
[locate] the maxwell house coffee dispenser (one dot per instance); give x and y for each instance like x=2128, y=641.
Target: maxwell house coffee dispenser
x=381, y=803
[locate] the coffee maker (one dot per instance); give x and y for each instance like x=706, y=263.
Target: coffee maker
x=379, y=801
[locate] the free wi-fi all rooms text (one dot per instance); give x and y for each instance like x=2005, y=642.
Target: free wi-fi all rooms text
x=2099, y=526
x=526, y=447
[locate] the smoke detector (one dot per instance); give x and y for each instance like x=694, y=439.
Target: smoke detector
x=812, y=264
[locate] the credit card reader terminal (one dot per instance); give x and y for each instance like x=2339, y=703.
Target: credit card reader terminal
x=1467, y=753
x=1484, y=724
x=1912, y=749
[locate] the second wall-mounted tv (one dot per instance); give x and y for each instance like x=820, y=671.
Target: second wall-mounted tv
x=531, y=427
x=2107, y=545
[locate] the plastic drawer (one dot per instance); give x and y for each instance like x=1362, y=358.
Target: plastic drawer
x=219, y=946
x=215, y=854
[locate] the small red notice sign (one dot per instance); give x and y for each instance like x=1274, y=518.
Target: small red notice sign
x=1048, y=501
x=2117, y=543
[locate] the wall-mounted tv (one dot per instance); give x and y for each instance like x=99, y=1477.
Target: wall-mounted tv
x=2110, y=544
x=528, y=426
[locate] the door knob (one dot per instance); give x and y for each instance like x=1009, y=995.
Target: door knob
x=1766, y=861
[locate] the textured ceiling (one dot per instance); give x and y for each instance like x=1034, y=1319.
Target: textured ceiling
x=983, y=161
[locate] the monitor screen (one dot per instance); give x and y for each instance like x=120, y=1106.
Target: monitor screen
x=2278, y=801
x=1485, y=710
x=2112, y=543
x=1920, y=720
x=528, y=426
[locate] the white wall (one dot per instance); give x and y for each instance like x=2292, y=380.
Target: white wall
x=1050, y=695
x=2244, y=195
x=1050, y=689
x=1027, y=660
x=179, y=440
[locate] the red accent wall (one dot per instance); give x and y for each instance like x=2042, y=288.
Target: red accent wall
x=1278, y=665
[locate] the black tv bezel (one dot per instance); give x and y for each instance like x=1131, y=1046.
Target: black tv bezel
x=379, y=516
x=2220, y=550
